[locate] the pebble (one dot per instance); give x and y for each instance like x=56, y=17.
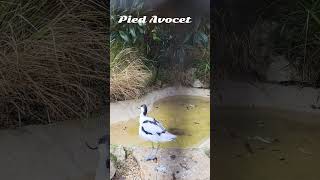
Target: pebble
x=161, y=168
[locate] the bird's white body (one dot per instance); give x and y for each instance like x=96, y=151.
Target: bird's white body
x=152, y=130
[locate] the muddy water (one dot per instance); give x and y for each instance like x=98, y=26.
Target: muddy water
x=186, y=116
x=265, y=144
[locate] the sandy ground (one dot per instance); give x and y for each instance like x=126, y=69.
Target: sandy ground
x=50, y=152
x=174, y=163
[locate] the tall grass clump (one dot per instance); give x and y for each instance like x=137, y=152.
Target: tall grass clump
x=52, y=60
x=241, y=51
x=300, y=37
x=202, y=64
x=128, y=73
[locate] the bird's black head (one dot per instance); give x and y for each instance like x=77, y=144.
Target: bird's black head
x=144, y=109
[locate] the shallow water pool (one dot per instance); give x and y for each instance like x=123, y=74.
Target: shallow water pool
x=265, y=144
x=186, y=116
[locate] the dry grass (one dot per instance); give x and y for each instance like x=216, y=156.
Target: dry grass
x=52, y=60
x=129, y=74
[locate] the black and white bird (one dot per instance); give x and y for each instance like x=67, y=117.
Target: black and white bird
x=152, y=130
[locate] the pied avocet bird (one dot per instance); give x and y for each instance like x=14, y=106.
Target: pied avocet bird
x=152, y=130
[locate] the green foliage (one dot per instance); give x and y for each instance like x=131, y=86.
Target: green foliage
x=159, y=39
x=131, y=35
x=299, y=37
x=174, y=45
x=114, y=159
x=203, y=65
x=161, y=44
x=199, y=36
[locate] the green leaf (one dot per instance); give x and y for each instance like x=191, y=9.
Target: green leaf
x=124, y=36
x=315, y=17
x=148, y=48
x=140, y=29
x=135, y=3
x=132, y=32
x=196, y=38
x=188, y=36
x=155, y=37
x=204, y=37
x=141, y=23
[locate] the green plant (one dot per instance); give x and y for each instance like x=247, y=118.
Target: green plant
x=240, y=52
x=171, y=49
x=130, y=35
x=299, y=37
x=175, y=45
x=202, y=65
x=160, y=43
x=199, y=36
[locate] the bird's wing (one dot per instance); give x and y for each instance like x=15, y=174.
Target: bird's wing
x=152, y=127
x=159, y=124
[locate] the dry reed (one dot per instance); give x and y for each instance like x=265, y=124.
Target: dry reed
x=129, y=74
x=53, y=63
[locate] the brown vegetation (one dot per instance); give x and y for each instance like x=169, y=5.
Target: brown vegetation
x=52, y=60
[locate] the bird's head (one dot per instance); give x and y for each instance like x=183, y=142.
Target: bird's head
x=143, y=109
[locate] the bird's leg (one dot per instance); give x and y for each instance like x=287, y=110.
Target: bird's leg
x=150, y=156
x=155, y=155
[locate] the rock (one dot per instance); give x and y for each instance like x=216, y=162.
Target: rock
x=112, y=169
x=205, y=146
x=279, y=70
x=119, y=152
x=159, y=83
x=206, y=85
x=128, y=169
x=186, y=164
x=161, y=168
x=197, y=84
x=190, y=106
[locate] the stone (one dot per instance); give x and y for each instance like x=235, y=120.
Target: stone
x=197, y=84
x=129, y=169
x=112, y=169
x=186, y=164
x=279, y=70
x=205, y=146
x=161, y=168
x=119, y=152
x=206, y=85
x=159, y=83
